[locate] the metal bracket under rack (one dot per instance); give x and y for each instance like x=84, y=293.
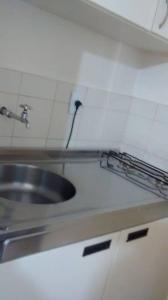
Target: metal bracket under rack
x=137, y=171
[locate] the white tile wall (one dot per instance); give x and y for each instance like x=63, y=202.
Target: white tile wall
x=137, y=131
x=146, y=130
x=158, y=142
x=96, y=98
x=114, y=125
x=162, y=114
x=157, y=161
x=27, y=142
x=7, y=125
x=99, y=123
x=39, y=118
x=52, y=58
x=55, y=143
x=119, y=102
x=107, y=119
x=64, y=91
x=38, y=87
x=151, y=83
x=136, y=151
x=10, y=81
x=34, y=41
x=79, y=144
x=124, y=90
x=60, y=121
x=90, y=124
x=142, y=108
x=5, y=142
x=129, y=62
x=147, y=127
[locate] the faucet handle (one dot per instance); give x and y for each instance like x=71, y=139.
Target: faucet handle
x=26, y=107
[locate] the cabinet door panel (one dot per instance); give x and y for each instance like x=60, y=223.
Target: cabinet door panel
x=141, y=12
x=160, y=25
x=60, y=274
x=141, y=268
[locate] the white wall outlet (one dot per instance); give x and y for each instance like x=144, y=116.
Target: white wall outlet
x=76, y=96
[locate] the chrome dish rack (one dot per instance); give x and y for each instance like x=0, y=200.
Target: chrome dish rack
x=137, y=171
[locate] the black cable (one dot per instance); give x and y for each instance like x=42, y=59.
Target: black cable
x=77, y=105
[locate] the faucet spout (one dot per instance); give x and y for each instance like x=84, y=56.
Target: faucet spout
x=27, y=124
x=23, y=118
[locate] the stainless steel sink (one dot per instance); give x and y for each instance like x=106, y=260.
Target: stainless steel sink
x=30, y=184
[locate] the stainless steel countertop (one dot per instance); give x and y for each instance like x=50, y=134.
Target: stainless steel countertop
x=104, y=202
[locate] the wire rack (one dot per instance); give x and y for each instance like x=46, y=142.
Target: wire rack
x=137, y=171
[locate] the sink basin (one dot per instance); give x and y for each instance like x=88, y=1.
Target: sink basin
x=30, y=184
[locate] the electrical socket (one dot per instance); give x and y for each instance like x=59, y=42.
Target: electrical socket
x=76, y=96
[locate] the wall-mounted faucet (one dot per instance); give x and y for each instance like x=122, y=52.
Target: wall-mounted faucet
x=23, y=116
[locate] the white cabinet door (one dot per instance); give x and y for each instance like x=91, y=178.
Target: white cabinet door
x=60, y=274
x=141, y=268
x=160, y=25
x=140, y=12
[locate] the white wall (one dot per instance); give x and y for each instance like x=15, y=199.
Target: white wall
x=151, y=83
x=147, y=126
x=37, y=42
x=100, y=123
x=42, y=59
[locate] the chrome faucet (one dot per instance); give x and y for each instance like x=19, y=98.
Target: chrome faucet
x=22, y=118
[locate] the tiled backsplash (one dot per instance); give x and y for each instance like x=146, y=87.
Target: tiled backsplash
x=106, y=120
x=147, y=126
x=146, y=132
x=100, y=123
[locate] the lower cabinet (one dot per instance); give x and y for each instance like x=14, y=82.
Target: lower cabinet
x=130, y=265
x=74, y=272
x=140, y=271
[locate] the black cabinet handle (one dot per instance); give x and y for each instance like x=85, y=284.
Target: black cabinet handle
x=137, y=234
x=97, y=248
